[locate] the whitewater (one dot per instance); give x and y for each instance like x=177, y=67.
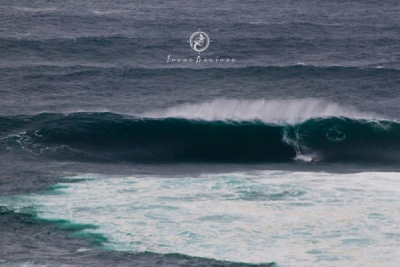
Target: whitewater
x=290, y=218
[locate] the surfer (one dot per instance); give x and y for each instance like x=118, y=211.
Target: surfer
x=312, y=159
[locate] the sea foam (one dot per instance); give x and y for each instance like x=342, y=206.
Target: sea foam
x=291, y=218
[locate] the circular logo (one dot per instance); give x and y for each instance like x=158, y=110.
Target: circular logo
x=199, y=41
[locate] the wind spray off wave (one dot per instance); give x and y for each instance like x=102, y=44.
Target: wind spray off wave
x=268, y=111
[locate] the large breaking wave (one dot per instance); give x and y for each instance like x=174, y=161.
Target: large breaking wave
x=218, y=131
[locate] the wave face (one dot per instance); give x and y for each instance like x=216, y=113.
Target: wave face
x=108, y=136
x=114, y=137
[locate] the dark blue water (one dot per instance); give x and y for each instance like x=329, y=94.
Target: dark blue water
x=86, y=87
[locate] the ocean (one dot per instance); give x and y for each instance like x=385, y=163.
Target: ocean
x=200, y=133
